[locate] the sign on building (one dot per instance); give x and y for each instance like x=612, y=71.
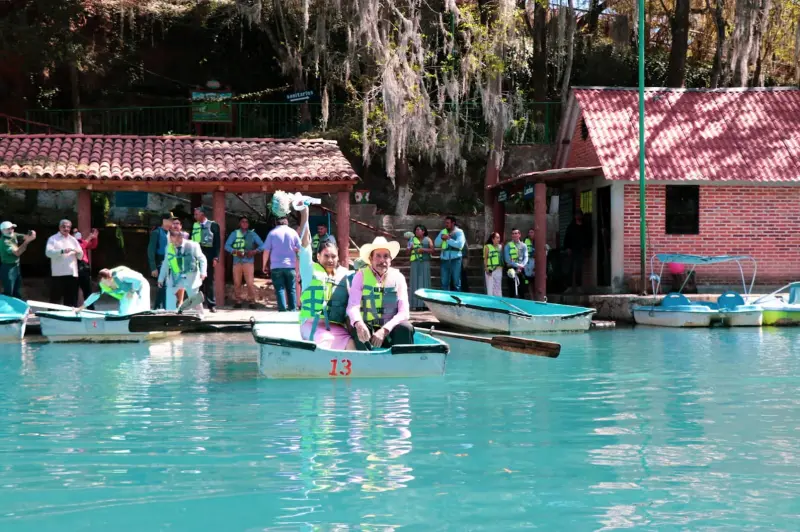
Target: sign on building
x=527, y=192
x=502, y=196
x=212, y=107
x=299, y=96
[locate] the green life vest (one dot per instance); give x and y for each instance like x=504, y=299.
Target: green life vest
x=416, y=246
x=172, y=259
x=378, y=304
x=529, y=245
x=492, y=256
x=444, y=242
x=115, y=293
x=239, y=242
x=326, y=296
x=202, y=234
x=513, y=252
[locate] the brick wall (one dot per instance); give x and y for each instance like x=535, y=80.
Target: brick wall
x=581, y=152
x=763, y=222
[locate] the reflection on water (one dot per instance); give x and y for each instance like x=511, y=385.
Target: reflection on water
x=641, y=428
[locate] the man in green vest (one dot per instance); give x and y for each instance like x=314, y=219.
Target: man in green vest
x=206, y=233
x=320, y=238
x=516, y=257
x=12, y=247
x=243, y=244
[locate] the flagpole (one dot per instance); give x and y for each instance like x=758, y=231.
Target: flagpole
x=642, y=206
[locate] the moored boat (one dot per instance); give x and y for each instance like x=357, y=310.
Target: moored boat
x=283, y=354
x=779, y=310
x=676, y=310
x=13, y=318
x=92, y=326
x=493, y=314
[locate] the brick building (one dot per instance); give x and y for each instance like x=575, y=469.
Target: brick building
x=723, y=177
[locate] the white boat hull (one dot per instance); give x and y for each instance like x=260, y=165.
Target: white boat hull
x=660, y=318
x=504, y=323
x=96, y=329
x=749, y=318
x=13, y=331
x=287, y=356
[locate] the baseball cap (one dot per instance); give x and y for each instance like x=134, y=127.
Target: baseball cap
x=7, y=225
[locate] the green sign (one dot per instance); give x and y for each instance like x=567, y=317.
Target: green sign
x=502, y=196
x=212, y=106
x=527, y=192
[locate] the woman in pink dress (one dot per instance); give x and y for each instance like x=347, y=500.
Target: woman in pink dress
x=325, y=293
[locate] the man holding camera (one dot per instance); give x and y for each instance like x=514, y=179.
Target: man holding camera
x=12, y=246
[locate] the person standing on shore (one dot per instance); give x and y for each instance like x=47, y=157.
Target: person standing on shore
x=156, y=251
x=206, y=233
x=451, y=241
x=320, y=238
x=64, y=252
x=84, y=266
x=12, y=248
x=493, y=265
x=421, y=247
x=279, y=262
x=243, y=244
x=515, y=256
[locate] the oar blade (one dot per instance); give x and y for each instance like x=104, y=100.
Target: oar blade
x=527, y=346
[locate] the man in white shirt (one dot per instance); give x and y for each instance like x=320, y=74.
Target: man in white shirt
x=64, y=252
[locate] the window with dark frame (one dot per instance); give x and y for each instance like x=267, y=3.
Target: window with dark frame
x=683, y=210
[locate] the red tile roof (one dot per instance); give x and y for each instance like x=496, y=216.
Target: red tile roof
x=101, y=157
x=714, y=135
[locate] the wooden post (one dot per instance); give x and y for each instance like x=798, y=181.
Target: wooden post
x=540, y=237
x=343, y=227
x=85, y=214
x=499, y=216
x=219, y=274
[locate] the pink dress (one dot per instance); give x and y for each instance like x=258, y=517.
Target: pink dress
x=336, y=338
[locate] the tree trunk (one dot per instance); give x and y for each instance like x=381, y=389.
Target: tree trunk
x=797, y=56
x=679, y=27
x=759, y=50
x=402, y=181
x=742, y=41
x=722, y=28
x=540, y=50
x=493, y=164
x=571, y=21
x=75, y=94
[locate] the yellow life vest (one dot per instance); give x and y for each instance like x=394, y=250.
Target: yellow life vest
x=172, y=259
x=202, y=234
x=416, y=245
x=529, y=245
x=239, y=242
x=115, y=293
x=513, y=252
x=444, y=242
x=326, y=296
x=378, y=304
x=492, y=256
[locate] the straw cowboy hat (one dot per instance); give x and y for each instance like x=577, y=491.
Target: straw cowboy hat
x=378, y=243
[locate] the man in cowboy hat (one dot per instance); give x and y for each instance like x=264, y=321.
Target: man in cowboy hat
x=378, y=307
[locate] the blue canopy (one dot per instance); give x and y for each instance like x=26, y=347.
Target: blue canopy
x=700, y=259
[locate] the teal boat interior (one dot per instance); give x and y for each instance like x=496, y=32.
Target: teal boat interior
x=677, y=302
x=12, y=309
x=505, y=305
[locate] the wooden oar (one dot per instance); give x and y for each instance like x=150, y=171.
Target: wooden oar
x=53, y=306
x=506, y=343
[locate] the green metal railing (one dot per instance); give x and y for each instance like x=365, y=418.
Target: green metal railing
x=533, y=123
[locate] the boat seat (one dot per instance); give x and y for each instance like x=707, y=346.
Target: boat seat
x=794, y=294
x=730, y=300
x=675, y=299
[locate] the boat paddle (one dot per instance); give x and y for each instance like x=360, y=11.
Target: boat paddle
x=514, y=344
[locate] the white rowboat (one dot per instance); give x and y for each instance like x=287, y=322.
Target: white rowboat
x=13, y=318
x=91, y=326
x=283, y=354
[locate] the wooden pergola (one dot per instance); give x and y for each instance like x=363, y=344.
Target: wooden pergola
x=182, y=165
x=540, y=181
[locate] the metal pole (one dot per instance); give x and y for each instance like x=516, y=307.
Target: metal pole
x=642, y=207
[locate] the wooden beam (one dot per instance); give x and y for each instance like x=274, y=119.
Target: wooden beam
x=540, y=240
x=219, y=273
x=343, y=227
x=185, y=187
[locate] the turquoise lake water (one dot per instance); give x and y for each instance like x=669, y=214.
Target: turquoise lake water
x=629, y=429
